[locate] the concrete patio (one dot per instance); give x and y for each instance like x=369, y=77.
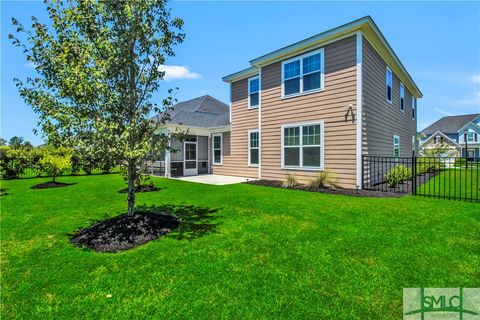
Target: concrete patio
x=214, y=179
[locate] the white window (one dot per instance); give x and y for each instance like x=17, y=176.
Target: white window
x=438, y=139
x=303, y=74
x=402, y=97
x=389, y=84
x=413, y=102
x=470, y=137
x=217, y=148
x=253, y=147
x=253, y=92
x=396, y=146
x=302, y=146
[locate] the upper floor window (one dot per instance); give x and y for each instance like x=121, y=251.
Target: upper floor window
x=413, y=102
x=303, y=74
x=402, y=97
x=396, y=146
x=253, y=146
x=438, y=139
x=302, y=146
x=217, y=148
x=389, y=79
x=253, y=92
x=470, y=137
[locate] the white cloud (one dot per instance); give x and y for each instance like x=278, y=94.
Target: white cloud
x=474, y=78
x=446, y=113
x=473, y=101
x=30, y=65
x=178, y=72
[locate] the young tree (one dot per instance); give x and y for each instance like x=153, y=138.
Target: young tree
x=98, y=66
x=54, y=165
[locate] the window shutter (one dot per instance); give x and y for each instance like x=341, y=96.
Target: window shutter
x=475, y=137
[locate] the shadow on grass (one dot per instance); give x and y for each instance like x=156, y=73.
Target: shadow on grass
x=3, y=191
x=194, y=221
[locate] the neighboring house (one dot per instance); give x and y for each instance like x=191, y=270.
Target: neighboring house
x=454, y=131
x=317, y=104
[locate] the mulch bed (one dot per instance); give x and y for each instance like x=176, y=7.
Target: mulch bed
x=340, y=191
x=124, y=232
x=146, y=188
x=51, y=184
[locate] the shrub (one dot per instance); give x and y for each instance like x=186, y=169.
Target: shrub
x=397, y=175
x=323, y=179
x=54, y=165
x=425, y=165
x=290, y=181
x=13, y=162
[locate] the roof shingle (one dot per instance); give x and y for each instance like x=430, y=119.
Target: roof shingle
x=450, y=124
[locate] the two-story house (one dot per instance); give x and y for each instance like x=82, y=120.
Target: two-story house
x=460, y=133
x=317, y=104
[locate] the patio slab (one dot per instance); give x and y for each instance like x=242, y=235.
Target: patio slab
x=215, y=179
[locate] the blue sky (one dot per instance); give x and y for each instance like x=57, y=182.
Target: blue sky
x=438, y=42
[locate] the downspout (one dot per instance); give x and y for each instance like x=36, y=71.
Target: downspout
x=359, y=128
x=259, y=123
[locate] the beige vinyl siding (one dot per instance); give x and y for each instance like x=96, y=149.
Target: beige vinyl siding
x=329, y=105
x=235, y=143
x=381, y=119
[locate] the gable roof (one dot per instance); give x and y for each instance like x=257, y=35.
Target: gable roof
x=365, y=25
x=450, y=124
x=438, y=133
x=204, y=111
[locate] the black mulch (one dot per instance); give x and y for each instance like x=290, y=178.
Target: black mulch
x=51, y=184
x=145, y=188
x=340, y=191
x=124, y=232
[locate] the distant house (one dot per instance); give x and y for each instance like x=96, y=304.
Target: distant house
x=454, y=131
x=320, y=103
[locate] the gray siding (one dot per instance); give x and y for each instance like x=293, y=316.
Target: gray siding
x=381, y=119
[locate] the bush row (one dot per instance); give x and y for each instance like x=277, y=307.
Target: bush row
x=48, y=161
x=400, y=173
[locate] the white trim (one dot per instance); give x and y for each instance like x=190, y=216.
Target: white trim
x=213, y=149
x=402, y=96
x=359, y=128
x=301, y=75
x=249, y=93
x=394, y=146
x=322, y=146
x=230, y=104
x=249, y=147
x=391, y=85
x=260, y=126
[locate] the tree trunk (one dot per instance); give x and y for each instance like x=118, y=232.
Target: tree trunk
x=53, y=178
x=131, y=187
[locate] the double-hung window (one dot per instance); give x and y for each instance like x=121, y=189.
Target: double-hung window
x=413, y=106
x=402, y=97
x=217, y=148
x=302, y=146
x=396, y=146
x=253, y=92
x=389, y=78
x=303, y=74
x=470, y=137
x=253, y=147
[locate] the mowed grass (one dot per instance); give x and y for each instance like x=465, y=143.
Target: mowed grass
x=454, y=183
x=261, y=253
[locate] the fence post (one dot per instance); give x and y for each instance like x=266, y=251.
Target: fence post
x=363, y=171
x=414, y=175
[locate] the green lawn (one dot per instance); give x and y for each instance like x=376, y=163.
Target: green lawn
x=457, y=183
x=255, y=253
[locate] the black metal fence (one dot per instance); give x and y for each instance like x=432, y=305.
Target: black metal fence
x=440, y=177
x=24, y=168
